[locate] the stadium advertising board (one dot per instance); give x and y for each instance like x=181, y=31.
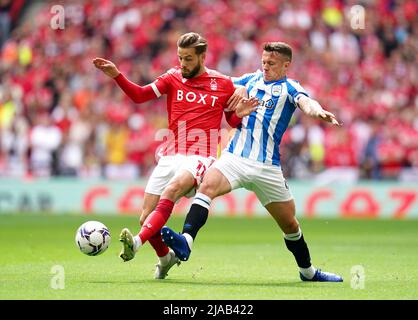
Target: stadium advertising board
x=363, y=200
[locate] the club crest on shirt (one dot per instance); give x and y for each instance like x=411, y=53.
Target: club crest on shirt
x=276, y=90
x=213, y=84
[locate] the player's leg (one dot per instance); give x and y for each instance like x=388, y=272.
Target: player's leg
x=214, y=185
x=158, y=180
x=274, y=194
x=284, y=215
x=177, y=187
x=166, y=256
x=132, y=243
x=150, y=202
x=186, y=178
x=162, y=251
x=216, y=182
x=182, y=183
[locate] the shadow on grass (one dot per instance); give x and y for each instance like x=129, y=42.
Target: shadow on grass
x=182, y=282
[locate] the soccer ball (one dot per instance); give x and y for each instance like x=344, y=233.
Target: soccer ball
x=92, y=238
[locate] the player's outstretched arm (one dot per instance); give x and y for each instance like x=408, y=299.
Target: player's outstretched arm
x=137, y=93
x=312, y=108
x=108, y=67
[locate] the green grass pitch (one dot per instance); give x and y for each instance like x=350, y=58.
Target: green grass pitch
x=233, y=258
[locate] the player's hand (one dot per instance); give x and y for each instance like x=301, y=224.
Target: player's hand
x=239, y=93
x=246, y=107
x=329, y=117
x=108, y=67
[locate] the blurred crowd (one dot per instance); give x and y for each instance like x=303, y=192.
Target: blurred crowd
x=59, y=116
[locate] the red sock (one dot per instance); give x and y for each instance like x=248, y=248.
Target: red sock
x=159, y=246
x=156, y=220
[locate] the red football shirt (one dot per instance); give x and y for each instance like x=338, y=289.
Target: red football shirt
x=195, y=107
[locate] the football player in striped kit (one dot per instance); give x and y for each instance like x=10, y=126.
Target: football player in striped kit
x=252, y=159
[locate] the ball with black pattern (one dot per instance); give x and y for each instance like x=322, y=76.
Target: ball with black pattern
x=92, y=238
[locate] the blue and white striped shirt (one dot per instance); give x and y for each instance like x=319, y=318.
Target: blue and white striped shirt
x=259, y=135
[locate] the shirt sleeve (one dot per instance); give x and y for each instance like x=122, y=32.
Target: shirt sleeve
x=161, y=84
x=294, y=90
x=231, y=116
x=232, y=119
x=230, y=90
x=137, y=93
x=243, y=80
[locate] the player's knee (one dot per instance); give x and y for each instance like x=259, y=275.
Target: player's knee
x=208, y=188
x=174, y=190
x=170, y=191
x=291, y=226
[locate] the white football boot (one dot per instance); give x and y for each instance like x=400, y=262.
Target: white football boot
x=161, y=269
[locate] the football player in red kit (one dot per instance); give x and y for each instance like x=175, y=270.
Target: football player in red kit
x=197, y=97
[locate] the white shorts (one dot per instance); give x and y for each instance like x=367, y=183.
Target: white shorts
x=169, y=167
x=265, y=180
